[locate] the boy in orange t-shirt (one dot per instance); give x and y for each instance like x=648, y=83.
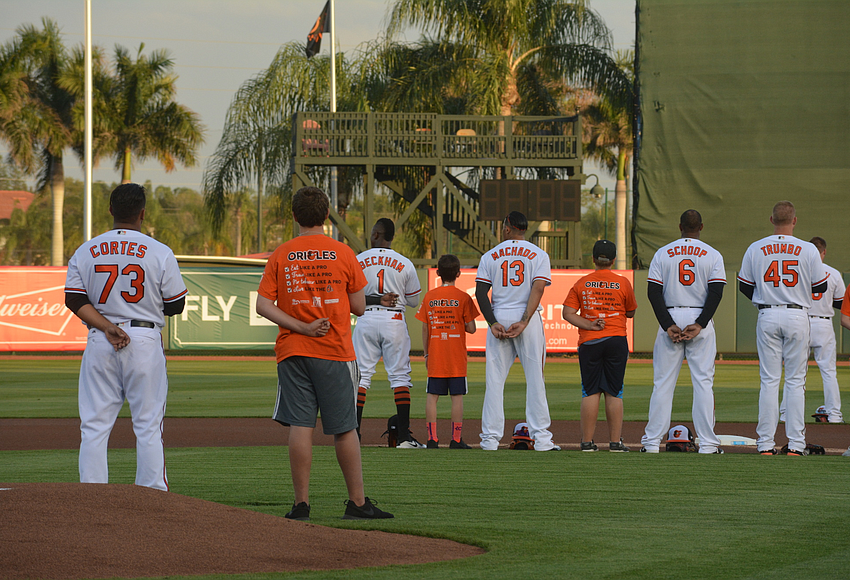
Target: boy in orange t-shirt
x=309, y=288
x=446, y=312
x=605, y=300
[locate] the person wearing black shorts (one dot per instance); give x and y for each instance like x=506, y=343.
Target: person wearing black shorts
x=605, y=301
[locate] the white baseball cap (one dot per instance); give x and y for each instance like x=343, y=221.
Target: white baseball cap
x=521, y=431
x=678, y=434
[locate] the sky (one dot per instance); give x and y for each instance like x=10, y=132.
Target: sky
x=219, y=44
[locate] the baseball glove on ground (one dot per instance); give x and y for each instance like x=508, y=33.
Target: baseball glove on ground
x=811, y=449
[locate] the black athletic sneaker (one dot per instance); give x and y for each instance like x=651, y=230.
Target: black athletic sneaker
x=433, y=444
x=368, y=511
x=458, y=445
x=588, y=446
x=768, y=452
x=617, y=447
x=300, y=512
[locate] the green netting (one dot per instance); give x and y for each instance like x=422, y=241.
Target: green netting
x=744, y=103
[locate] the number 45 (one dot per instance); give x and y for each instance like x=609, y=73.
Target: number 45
x=789, y=275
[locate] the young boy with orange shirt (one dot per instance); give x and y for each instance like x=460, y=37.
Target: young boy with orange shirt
x=605, y=301
x=446, y=312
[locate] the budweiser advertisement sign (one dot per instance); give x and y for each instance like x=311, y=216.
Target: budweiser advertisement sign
x=33, y=314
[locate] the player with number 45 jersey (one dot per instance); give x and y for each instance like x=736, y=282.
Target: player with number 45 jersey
x=779, y=273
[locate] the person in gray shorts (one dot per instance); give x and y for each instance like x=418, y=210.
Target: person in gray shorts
x=310, y=287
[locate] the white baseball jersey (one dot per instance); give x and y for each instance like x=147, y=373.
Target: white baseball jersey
x=685, y=268
x=382, y=332
x=783, y=270
x=822, y=303
x=510, y=268
x=388, y=271
x=126, y=276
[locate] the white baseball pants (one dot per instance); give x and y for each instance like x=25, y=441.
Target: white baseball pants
x=135, y=373
x=530, y=347
x=382, y=333
x=782, y=334
x=822, y=341
x=667, y=358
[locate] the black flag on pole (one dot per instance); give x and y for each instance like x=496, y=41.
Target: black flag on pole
x=314, y=38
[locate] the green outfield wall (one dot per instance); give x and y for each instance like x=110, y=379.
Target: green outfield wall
x=742, y=103
x=220, y=315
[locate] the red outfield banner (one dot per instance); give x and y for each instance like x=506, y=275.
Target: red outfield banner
x=561, y=336
x=33, y=314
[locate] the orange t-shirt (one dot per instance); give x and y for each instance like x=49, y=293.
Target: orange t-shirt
x=602, y=294
x=845, y=305
x=446, y=310
x=310, y=277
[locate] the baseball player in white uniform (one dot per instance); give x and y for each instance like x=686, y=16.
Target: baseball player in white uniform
x=123, y=284
x=822, y=339
x=392, y=284
x=684, y=285
x=518, y=272
x=779, y=273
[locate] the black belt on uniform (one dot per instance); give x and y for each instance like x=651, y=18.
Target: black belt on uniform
x=824, y=317
x=795, y=306
x=139, y=323
x=669, y=307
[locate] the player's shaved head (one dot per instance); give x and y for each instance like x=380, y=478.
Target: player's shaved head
x=819, y=243
x=690, y=221
x=310, y=206
x=783, y=213
x=385, y=228
x=126, y=202
x=448, y=267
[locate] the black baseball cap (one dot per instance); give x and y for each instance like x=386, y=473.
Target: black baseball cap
x=604, y=249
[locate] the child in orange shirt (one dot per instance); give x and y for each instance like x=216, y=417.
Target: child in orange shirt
x=446, y=312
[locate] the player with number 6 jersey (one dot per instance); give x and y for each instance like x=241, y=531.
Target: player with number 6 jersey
x=518, y=272
x=779, y=273
x=123, y=284
x=391, y=285
x=684, y=285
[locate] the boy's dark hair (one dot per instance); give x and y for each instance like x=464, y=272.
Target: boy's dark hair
x=448, y=268
x=386, y=227
x=126, y=202
x=310, y=206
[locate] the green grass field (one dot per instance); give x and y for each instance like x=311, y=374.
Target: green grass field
x=204, y=388
x=539, y=515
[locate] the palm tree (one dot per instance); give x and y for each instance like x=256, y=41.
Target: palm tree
x=35, y=114
x=144, y=120
x=494, y=57
x=256, y=143
x=608, y=139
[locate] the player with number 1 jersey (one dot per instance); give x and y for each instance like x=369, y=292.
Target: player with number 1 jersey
x=382, y=330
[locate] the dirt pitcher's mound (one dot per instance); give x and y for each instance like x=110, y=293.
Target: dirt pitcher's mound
x=74, y=530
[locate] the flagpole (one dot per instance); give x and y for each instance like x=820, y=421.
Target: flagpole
x=88, y=128
x=334, y=189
